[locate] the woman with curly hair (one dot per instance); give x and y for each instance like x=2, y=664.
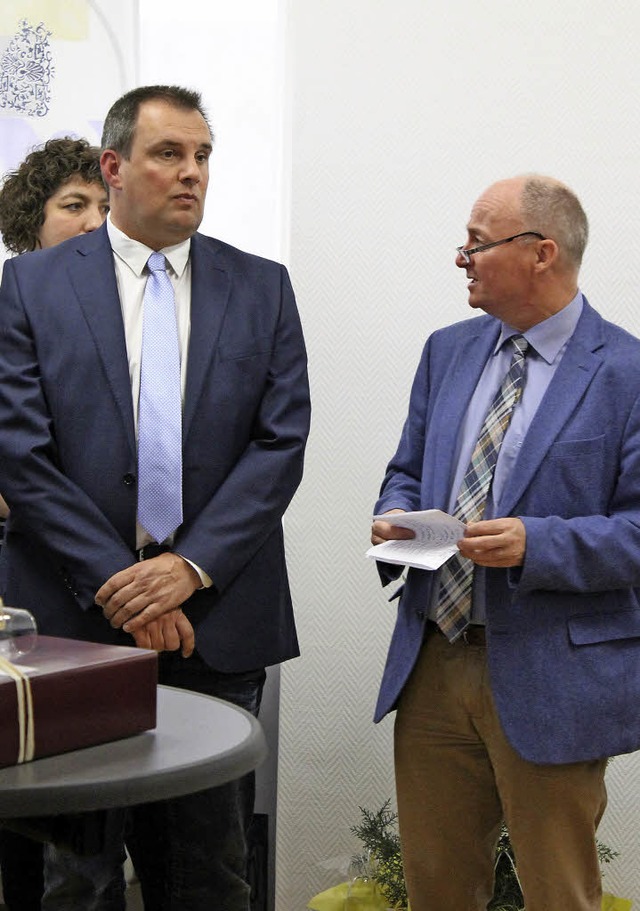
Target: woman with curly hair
x=56, y=193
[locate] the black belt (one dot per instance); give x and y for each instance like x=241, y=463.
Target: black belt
x=475, y=634
x=151, y=550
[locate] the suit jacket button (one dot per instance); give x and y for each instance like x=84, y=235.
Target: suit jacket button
x=129, y=479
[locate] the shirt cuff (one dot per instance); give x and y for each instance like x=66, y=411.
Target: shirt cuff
x=206, y=581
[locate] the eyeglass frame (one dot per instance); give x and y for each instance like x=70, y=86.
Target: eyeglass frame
x=467, y=254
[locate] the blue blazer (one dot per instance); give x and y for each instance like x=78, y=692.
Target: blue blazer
x=563, y=630
x=68, y=460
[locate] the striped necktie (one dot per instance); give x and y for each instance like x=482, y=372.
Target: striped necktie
x=160, y=408
x=453, y=611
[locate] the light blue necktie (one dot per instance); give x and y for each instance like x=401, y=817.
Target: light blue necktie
x=160, y=408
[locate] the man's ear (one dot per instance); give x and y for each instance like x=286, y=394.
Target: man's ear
x=110, y=167
x=547, y=254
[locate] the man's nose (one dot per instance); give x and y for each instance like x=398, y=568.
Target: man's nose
x=191, y=172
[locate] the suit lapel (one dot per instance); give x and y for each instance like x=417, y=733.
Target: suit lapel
x=93, y=278
x=575, y=372
x=210, y=288
x=468, y=362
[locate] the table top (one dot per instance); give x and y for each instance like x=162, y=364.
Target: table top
x=199, y=742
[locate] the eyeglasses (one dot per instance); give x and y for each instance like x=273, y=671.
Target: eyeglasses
x=467, y=254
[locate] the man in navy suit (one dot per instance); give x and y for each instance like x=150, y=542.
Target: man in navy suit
x=512, y=718
x=212, y=597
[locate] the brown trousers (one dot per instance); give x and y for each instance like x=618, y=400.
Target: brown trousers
x=457, y=778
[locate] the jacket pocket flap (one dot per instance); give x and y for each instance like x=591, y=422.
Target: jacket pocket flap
x=230, y=351
x=588, y=629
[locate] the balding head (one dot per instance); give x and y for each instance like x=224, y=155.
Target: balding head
x=525, y=240
x=550, y=207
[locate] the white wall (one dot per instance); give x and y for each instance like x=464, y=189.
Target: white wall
x=404, y=110
x=233, y=53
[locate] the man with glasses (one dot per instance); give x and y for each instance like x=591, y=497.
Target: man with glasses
x=515, y=668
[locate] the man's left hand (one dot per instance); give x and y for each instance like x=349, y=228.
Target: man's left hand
x=168, y=633
x=495, y=542
x=146, y=590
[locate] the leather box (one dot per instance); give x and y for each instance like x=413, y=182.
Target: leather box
x=81, y=694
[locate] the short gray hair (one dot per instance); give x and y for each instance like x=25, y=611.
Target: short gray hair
x=554, y=210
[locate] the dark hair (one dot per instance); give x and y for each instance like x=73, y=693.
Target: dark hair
x=120, y=122
x=25, y=191
x=554, y=210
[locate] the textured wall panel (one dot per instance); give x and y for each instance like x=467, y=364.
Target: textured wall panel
x=404, y=110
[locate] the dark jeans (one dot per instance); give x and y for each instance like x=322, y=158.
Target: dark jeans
x=20, y=861
x=190, y=853
x=21, y=866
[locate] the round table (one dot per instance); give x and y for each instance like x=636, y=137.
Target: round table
x=199, y=742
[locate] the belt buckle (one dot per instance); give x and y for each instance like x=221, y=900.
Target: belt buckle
x=474, y=634
x=148, y=551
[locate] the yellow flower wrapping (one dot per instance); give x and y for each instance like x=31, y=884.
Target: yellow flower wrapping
x=613, y=903
x=364, y=895
x=359, y=895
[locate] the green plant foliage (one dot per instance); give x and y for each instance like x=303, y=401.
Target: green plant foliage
x=383, y=861
x=379, y=837
x=605, y=853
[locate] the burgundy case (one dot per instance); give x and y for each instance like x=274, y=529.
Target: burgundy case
x=84, y=693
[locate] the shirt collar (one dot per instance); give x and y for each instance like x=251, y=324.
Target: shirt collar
x=552, y=334
x=135, y=254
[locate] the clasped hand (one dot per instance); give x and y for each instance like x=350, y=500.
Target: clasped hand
x=145, y=600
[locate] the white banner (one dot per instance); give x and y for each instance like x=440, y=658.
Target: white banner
x=62, y=64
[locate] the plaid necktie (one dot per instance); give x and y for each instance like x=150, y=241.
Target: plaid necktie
x=160, y=408
x=456, y=577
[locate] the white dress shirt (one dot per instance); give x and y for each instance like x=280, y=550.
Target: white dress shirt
x=130, y=259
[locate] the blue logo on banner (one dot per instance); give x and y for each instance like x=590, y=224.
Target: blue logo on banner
x=26, y=71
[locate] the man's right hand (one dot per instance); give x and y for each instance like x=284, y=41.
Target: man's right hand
x=168, y=633
x=144, y=591
x=382, y=531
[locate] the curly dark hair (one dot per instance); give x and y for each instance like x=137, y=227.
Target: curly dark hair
x=25, y=191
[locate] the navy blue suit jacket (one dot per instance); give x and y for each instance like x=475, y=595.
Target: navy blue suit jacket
x=68, y=451
x=564, y=629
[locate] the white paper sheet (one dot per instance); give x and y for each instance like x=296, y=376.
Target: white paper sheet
x=436, y=537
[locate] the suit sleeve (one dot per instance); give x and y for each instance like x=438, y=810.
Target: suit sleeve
x=47, y=506
x=402, y=482
x=401, y=487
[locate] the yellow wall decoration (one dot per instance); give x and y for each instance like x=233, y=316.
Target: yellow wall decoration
x=65, y=19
